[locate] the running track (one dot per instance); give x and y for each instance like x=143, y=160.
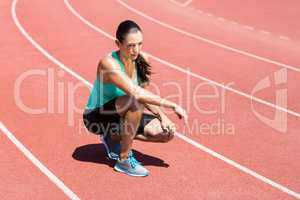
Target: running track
x=179, y=170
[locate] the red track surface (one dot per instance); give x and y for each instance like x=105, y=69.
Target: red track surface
x=178, y=170
x=273, y=16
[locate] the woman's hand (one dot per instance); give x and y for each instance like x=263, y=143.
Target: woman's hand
x=167, y=125
x=181, y=113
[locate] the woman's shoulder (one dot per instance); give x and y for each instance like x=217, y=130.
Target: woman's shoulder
x=106, y=65
x=107, y=62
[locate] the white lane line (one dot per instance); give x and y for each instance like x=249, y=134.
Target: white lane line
x=181, y=69
x=200, y=11
x=249, y=28
x=252, y=98
x=175, y=2
x=234, y=22
x=221, y=19
x=67, y=191
x=197, y=37
x=38, y=164
x=240, y=167
x=188, y=2
x=184, y=4
x=265, y=32
x=284, y=38
x=57, y=62
x=190, y=141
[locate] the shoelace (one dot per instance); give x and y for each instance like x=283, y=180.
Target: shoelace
x=133, y=162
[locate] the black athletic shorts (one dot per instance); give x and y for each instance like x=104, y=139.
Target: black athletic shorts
x=106, y=120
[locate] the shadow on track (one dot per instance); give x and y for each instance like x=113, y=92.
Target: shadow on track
x=96, y=153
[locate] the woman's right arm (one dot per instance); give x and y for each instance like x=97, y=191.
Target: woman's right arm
x=110, y=73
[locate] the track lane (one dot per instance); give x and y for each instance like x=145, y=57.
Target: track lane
x=20, y=178
x=220, y=33
x=274, y=16
x=204, y=64
x=285, y=157
x=214, y=171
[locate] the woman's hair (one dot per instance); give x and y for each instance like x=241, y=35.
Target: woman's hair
x=143, y=67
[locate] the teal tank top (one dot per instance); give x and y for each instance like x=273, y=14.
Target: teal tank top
x=102, y=92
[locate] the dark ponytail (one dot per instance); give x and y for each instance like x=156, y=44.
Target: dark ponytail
x=143, y=67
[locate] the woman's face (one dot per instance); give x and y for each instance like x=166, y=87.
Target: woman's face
x=131, y=45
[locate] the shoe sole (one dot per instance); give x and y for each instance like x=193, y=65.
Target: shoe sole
x=128, y=173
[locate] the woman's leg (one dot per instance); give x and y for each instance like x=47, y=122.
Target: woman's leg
x=131, y=112
x=152, y=132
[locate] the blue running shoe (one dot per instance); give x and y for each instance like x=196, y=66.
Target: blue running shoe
x=131, y=167
x=112, y=148
x=131, y=156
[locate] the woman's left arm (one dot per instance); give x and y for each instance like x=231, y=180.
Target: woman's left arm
x=156, y=111
x=166, y=123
